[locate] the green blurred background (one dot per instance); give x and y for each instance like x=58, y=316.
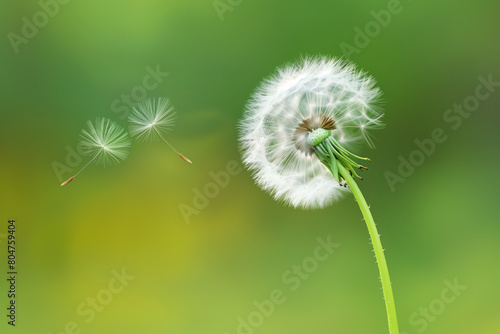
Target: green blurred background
x=440, y=224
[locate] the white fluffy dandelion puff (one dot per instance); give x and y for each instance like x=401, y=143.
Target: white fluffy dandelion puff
x=317, y=93
x=153, y=119
x=105, y=141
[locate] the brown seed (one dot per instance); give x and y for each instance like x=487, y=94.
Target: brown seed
x=184, y=158
x=67, y=181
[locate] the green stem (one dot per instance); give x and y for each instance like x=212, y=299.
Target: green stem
x=377, y=246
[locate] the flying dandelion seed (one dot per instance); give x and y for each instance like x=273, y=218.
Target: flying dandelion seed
x=105, y=141
x=294, y=135
x=151, y=120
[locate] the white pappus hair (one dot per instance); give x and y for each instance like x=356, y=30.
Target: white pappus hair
x=309, y=91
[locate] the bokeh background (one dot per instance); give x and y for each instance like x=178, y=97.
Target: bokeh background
x=199, y=277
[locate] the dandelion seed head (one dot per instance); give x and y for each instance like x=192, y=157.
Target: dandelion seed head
x=105, y=140
x=314, y=93
x=151, y=119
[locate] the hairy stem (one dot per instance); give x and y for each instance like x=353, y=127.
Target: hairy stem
x=377, y=246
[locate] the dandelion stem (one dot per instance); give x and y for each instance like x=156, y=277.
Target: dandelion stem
x=73, y=177
x=88, y=163
x=179, y=154
x=159, y=134
x=377, y=246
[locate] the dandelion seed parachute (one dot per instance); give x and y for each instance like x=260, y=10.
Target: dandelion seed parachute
x=151, y=120
x=314, y=93
x=105, y=141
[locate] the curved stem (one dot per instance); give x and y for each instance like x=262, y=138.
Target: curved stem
x=377, y=246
